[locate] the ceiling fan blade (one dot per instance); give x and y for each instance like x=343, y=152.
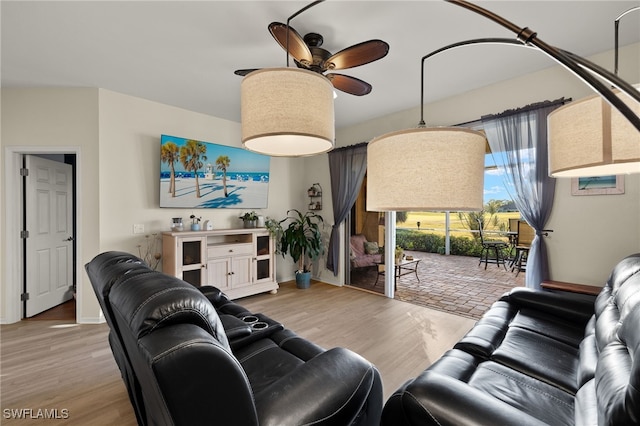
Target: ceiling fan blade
x=358, y=54
x=348, y=84
x=245, y=72
x=297, y=47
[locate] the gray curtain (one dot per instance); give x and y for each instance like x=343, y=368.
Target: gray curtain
x=347, y=167
x=518, y=141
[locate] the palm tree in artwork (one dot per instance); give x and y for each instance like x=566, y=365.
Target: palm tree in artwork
x=192, y=157
x=169, y=154
x=222, y=163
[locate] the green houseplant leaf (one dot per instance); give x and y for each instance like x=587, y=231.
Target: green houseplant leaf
x=302, y=237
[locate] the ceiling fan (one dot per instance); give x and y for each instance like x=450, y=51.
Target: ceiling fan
x=308, y=54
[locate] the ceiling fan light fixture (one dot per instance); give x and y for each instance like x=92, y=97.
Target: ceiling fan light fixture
x=287, y=112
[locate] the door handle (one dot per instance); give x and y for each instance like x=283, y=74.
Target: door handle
x=69, y=239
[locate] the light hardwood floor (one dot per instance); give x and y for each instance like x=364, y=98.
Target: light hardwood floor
x=65, y=366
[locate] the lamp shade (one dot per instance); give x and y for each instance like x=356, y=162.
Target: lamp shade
x=287, y=112
x=422, y=169
x=589, y=138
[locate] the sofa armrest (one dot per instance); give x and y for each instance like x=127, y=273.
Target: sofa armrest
x=334, y=388
x=574, y=308
x=234, y=327
x=436, y=399
x=199, y=380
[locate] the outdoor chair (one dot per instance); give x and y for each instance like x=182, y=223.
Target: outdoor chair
x=526, y=235
x=495, y=247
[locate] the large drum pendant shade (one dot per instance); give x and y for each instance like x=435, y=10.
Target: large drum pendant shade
x=287, y=112
x=426, y=169
x=589, y=138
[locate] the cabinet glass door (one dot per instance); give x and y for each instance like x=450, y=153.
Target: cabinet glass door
x=191, y=252
x=262, y=269
x=192, y=277
x=262, y=245
x=263, y=257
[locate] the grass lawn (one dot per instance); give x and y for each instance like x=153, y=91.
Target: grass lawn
x=434, y=222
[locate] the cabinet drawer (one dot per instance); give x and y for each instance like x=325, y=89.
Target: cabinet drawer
x=229, y=250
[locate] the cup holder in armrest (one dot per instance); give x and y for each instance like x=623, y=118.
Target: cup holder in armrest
x=234, y=327
x=249, y=319
x=261, y=326
x=254, y=322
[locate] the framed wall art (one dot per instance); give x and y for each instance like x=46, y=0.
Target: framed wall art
x=598, y=185
x=196, y=174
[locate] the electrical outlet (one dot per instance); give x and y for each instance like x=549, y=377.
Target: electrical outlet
x=138, y=228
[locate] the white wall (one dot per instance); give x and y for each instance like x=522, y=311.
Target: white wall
x=591, y=233
x=119, y=139
x=130, y=130
x=39, y=121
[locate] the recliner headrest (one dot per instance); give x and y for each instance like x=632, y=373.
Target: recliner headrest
x=624, y=269
x=107, y=268
x=154, y=300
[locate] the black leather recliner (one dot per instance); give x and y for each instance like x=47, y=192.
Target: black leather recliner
x=104, y=271
x=188, y=362
x=537, y=358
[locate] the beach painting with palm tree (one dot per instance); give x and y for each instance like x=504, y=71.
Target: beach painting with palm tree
x=196, y=174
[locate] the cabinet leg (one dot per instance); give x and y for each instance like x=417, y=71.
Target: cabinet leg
x=274, y=291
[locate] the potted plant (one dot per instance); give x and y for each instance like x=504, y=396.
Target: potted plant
x=301, y=239
x=250, y=219
x=195, y=222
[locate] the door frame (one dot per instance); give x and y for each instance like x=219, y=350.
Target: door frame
x=13, y=211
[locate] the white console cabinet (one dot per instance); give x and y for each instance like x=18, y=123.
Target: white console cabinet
x=240, y=262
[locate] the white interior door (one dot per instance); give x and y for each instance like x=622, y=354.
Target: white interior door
x=49, y=244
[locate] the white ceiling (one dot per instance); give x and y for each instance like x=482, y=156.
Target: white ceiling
x=183, y=53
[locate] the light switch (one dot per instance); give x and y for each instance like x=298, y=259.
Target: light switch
x=138, y=228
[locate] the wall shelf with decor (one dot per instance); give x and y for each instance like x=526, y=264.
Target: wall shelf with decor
x=240, y=262
x=315, y=197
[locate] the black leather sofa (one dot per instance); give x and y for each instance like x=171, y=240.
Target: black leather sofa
x=536, y=358
x=190, y=356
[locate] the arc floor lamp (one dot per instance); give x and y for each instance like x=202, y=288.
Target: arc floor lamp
x=587, y=137
x=449, y=165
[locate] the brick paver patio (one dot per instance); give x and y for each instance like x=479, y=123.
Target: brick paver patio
x=455, y=284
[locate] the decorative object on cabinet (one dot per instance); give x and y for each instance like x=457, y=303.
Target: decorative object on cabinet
x=239, y=261
x=233, y=177
x=302, y=239
x=275, y=230
x=176, y=224
x=315, y=197
x=250, y=219
x=195, y=222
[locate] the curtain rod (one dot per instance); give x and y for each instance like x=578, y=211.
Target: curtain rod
x=342, y=148
x=530, y=107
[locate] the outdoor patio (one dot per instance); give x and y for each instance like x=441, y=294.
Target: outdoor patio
x=454, y=284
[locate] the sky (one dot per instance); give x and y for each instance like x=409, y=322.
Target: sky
x=241, y=159
x=494, y=188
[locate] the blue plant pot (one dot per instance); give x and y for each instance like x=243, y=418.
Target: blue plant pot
x=303, y=279
x=195, y=226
